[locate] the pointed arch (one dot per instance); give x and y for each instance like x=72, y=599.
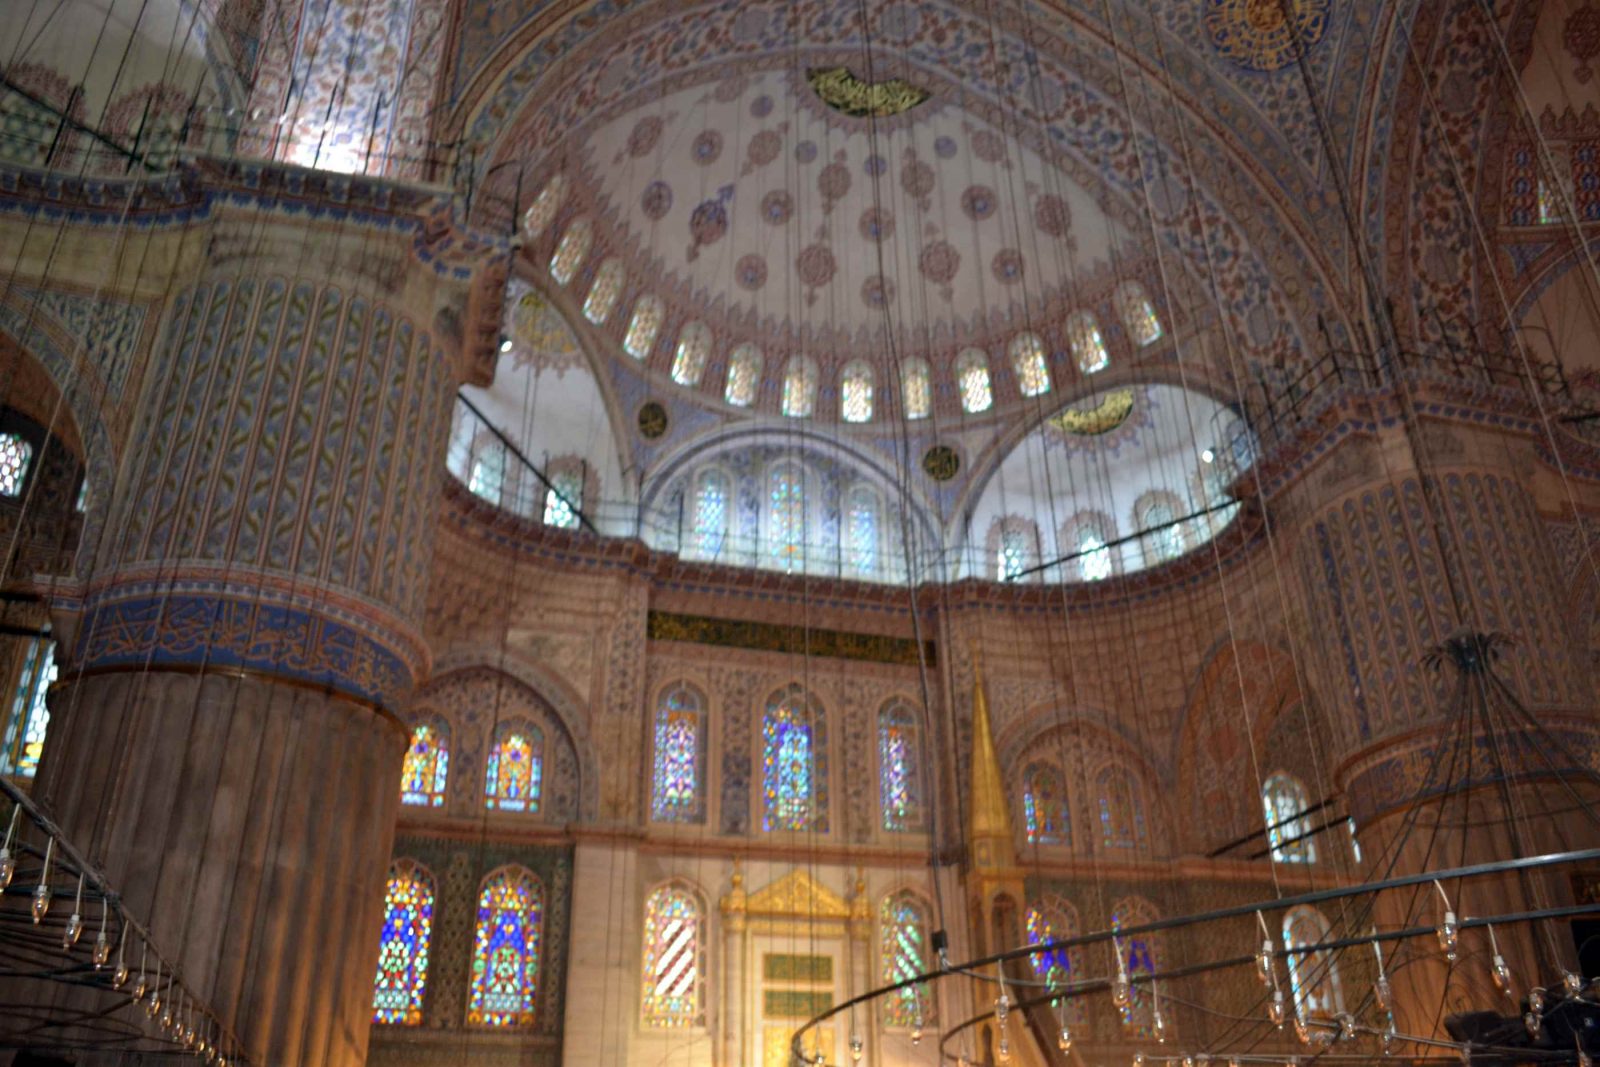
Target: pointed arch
x=694, y=349
x=514, y=770
x=1313, y=976
x=916, y=388
x=1142, y=954
x=856, y=392
x=799, y=387
x=674, y=977
x=678, y=756
x=1119, y=804
x=1284, y=801
x=1053, y=918
x=794, y=762
x=1087, y=343
x=403, y=945
x=572, y=250
x=972, y=381
x=506, y=949
x=1046, y=816
x=900, y=767
x=744, y=375
x=424, y=776
x=903, y=952
x=1029, y=364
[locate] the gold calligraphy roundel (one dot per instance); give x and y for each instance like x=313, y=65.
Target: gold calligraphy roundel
x=1255, y=35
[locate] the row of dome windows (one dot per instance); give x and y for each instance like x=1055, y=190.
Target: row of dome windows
x=857, y=382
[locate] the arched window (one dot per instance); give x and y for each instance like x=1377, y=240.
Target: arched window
x=786, y=523
x=1053, y=919
x=972, y=377
x=678, y=757
x=799, y=387
x=712, y=495
x=544, y=208
x=900, y=767
x=1162, y=533
x=643, y=327
x=564, y=499
x=794, y=763
x=515, y=768
x=30, y=716
x=1028, y=362
x=1122, y=824
x=505, y=950
x=15, y=454
x=403, y=945
x=916, y=388
x=1045, y=818
x=1015, y=550
x=1088, y=347
x=427, y=764
x=1549, y=202
x=1087, y=541
x=903, y=950
x=487, y=477
x=1313, y=976
x=1141, y=955
x=1288, y=829
x=861, y=547
x=1138, y=314
x=694, y=348
x=674, y=959
x=855, y=392
x=570, y=253
x=603, y=293
x=744, y=376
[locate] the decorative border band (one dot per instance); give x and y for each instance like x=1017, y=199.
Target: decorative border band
x=795, y=640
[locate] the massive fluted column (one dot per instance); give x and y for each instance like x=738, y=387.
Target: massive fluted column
x=225, y=744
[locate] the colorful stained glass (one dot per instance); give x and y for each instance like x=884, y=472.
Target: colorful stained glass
x=1138, y=314
x=711, y=493
x=1313, y=976
x=794, y=772
x=570, y=253
x=972, y=376
x=516, y=768
x=1140, y=956
x=694, y=348
x=1052, y=966
x=1012, y=557
x=505, y=952
x=603, y=294
x=427, y=765
x=563, y=499
x=899, y=768
x=855, y=393
x=545, y=206
x=786, y=535
x=674, y=969
x=30, y=717
x=861, y=532
x=744, y=376
x=403, y=946
x=1088, y=346
x=1121, y=811
x=15, y=454
x=1044, y=806
x=1094, y=558
x=903, y=952
x=916, y=388
x=643, y=327
x=1284, y=800
x=799, y=387
x=1028, y=362
x=675, y=777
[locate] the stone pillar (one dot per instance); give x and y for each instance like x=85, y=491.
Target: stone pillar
x=734, y=1040
x=602, y=1001
x=225, y=742
x=1398, y=559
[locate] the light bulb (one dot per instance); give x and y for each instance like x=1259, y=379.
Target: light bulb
x=1064, y=1039
x=1572, y=983
x=166, y=1017
x=41, y=903
x=855, y=1047
x=119, y=977
x=1347, y=1026
x=1003, y=1049
x=74, y=930
x=102, y=950
x=1448, y=936
x=1302, y=1029
x=1002, y=1008
x=1264, y=962
x=1188, y=1060
x=152, y=1007
x=1387, y=1038
x=1158, y=1027
x=1536, y=1001
x=1531, y=1021
x=1383, y=993
x=1207, y=456
x=1138, y=1059
x=1275, y=1009
x=916, y=1033
x=1501, y=974
x=139, y=987
x=1120, y=992
x=1233, y=1061
x=8, y=867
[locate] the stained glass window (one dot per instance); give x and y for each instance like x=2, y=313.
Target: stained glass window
x=427, y=765
x=516, y=768
x=1163, y=534
x=794, y=763
x=1285, y=804
x=903, y=952
x=916, y=388
x=603, y=294
x=1549, y=203
x=1044, y=806
x=488, y=474
x=744, y=376
x=972, y=375
x=1013, y=555
x=861, y=532
x=545, y=206
x=1088, y=347
x=14, y=456
x=643, y=327
x=786, y=532
x=30, y=717
x=1121, y=811
x=855, y=392
x=403, y=946
x=1140, y=955
x=675, y=774
x=712, y=493
x=1054, y=919
x=674, y=963
x=505, y=951
x=563, y=499
x=569, y=254
x=900, y=767
x=1138, y=314
x=799, y=387
x=1027, y=360
x=694, y=347
x=1313, y=976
